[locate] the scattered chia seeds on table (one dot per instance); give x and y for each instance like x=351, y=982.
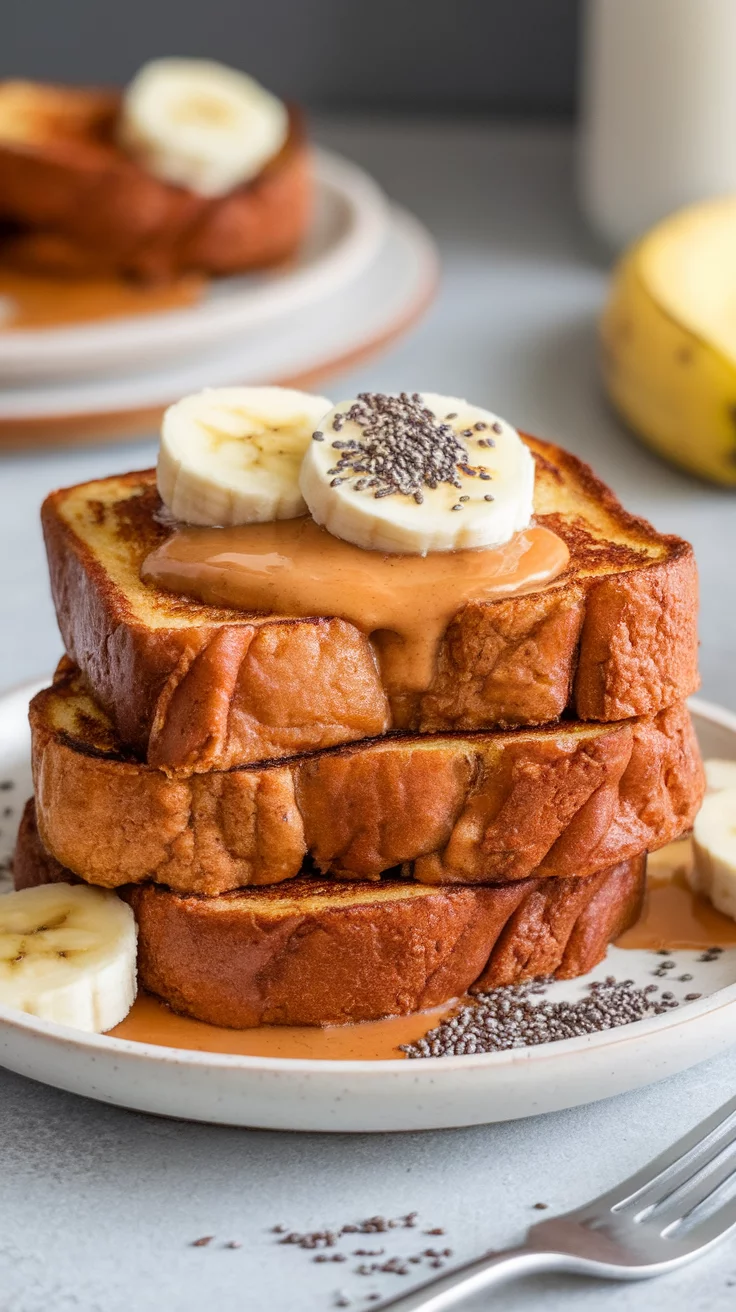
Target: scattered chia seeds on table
x=507, y=1018
x=399, y=1264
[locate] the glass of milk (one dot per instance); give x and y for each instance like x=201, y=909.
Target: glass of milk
x=658, y=114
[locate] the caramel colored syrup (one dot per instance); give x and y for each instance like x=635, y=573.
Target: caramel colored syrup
x=673, y=915
x=404, y=603
x=28, y=301
x=151, y=1021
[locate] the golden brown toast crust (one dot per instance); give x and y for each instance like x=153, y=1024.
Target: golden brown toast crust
x=197, y=688
x=79, y=205
x=315, y=953
x=560, y=801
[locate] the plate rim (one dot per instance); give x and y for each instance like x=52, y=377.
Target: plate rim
x=191, y=326
x=406, y=1069
x=129, y=422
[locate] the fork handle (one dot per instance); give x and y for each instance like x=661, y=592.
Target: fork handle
x=453, y=1288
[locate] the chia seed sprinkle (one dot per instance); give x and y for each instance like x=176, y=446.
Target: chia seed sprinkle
x=318, y=437
x=489, y=497
x=497, y=428
x=402, y=445
x=692, y=997
x=506, y=1018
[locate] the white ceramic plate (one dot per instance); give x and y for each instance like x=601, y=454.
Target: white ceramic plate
x=355, y=319
x=348, y=225
x=279, y=1093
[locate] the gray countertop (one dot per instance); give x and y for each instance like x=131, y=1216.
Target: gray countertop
x=98, y=1206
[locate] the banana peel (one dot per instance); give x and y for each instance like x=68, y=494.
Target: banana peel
x=668, y=340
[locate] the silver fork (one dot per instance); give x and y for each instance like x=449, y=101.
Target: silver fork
x=650, y=1224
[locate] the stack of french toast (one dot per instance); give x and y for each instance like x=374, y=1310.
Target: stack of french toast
x=193, y=167
x=363, y=707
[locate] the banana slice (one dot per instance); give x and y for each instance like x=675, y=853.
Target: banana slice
x=68, y=954
x=719, y=774
x=714, y=848
x=201, y=125
x=231, y=455
x=418, y=473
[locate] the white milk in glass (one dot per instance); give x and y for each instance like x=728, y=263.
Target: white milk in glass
x=658, y=118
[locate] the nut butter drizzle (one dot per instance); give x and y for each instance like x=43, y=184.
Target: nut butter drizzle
x=404, y=603
x=34, y=301
x=673, y=916
x=151, y=1021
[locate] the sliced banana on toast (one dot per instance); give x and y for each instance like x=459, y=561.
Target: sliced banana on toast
x=68, y=954
x=201, y=125
x=405, y=473
x=417, y=473
x=231, y=455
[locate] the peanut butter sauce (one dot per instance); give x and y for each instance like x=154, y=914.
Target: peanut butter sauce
x=151, y=1021
x=28, y=301
x=673, y=915
x=404, y=603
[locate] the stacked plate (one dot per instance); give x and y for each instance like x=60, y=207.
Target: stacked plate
x=366, y=272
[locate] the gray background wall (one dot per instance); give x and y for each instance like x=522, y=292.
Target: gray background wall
x=487, y=56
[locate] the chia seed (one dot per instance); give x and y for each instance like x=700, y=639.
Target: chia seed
x=402, y=445
x=506, y=1018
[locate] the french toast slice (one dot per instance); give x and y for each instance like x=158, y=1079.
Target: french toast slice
x=195, y=687
x=73, y=202
x=317, y=953
x=554, y=802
